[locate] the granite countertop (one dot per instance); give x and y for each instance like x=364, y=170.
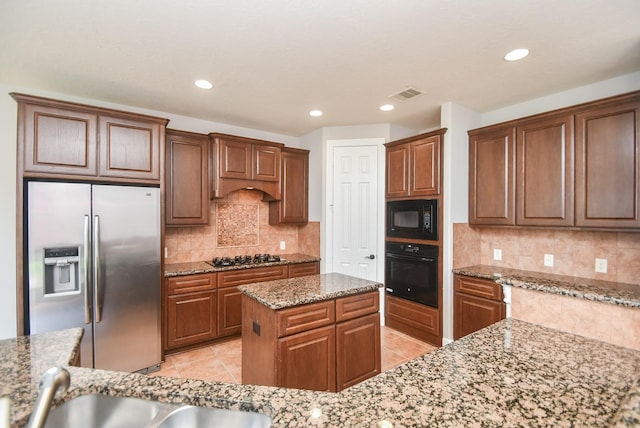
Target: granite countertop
x=512, y=373
x=591, y=289
x=284, y=293
x=192, y=268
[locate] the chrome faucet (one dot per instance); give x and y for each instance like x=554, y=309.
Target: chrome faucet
x=53, y=384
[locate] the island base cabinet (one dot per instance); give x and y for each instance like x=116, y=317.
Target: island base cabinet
x=307, y=360
x=356, y=361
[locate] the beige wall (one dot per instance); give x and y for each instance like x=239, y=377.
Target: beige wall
x=239, y=225
x=574, y=251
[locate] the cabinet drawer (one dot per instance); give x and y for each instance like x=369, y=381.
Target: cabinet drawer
x=191, y=283
x=247, y=276
x=306, y=317
x=420, y=317
x=478, y=287
x=304, y=269
x=356, y=306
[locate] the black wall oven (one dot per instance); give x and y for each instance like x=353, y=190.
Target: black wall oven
x=413, y=219
x=411, y=272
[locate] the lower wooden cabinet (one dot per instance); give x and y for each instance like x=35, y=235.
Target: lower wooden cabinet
x=477, y=304
x=315, y=346
x=229, y=311
x=356, y=359
x=307, y=360
x=190, y=310
x=414, y=319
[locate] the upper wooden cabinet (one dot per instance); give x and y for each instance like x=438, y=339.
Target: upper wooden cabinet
x=293, y=207
x=59, y=139
x=492, y=176
x=544, y=172
x=244, y=163
x=186, y=178
x=608, y=165
x=413, y=166
x=574, y=167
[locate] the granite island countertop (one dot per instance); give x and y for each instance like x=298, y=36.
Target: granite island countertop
x=512, y=373
x=591, y=289
x=284, y=293
x=192, y=268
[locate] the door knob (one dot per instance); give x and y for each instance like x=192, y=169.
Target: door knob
x=370, y=256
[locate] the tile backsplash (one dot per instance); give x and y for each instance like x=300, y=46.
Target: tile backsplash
x=239, y=225
x=574, y=252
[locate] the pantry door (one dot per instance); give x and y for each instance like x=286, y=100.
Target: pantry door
x=356, y=216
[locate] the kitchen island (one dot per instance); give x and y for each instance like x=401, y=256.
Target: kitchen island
x=512, y=373
x=317, y=332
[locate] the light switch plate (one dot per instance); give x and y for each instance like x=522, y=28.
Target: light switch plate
x=548, y=260
x=283, y=245
x=497, y=254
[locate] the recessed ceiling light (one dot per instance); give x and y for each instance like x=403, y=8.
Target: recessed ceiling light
x=387, y=107
x=315, y=113
x=203, y=84
x=516, y=54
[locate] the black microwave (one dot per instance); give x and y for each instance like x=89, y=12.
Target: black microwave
x=416, y=219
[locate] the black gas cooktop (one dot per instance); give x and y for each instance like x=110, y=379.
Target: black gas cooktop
x=244, y=260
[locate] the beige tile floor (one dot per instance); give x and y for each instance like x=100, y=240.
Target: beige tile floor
x=223, y=362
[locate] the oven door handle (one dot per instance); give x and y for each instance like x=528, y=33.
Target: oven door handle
x=410, y=258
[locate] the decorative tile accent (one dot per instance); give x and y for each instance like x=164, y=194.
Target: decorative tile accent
x=237, y=224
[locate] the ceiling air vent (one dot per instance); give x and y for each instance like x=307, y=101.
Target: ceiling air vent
x=406, y=94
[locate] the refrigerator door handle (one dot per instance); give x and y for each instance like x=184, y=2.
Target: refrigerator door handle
x=97, y=295
x=85, y=267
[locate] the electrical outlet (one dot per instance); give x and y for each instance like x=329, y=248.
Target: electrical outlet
x=548, y=260
x=601, y=265
x=497, y=254
x=166, y=252
x=283, y=245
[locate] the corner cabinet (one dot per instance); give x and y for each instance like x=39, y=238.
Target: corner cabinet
x=186, y=179
x=477, y=303
x=244, y=163
x=574, y=167
x=293, y=207
x=413, y=165
x=66, y=140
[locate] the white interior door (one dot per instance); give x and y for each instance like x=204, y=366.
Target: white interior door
x=355, y=211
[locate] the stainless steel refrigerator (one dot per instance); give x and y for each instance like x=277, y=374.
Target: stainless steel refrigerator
x=93, y=261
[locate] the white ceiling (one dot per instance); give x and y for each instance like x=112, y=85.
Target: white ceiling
x=272, y=61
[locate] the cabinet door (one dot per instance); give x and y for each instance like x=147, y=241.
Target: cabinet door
x=357, y=350
x=307, y=360
x=234, y=159
x=304, y=269
x=544, y=172
x=492, y=177
x=608, y=166
x=191, y=318
x=58, y=141
x=293, y=208
x=414, y=319
x=229, y=311
x=130, y=148
x=266, y=162
x=187, y=179
x=397, y=170
x=474, y=313
x=425, y=167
